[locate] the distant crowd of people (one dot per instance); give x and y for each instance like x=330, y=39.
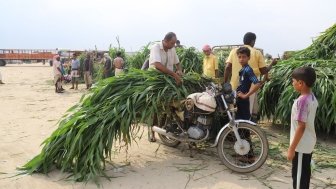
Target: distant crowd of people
x=71, y=71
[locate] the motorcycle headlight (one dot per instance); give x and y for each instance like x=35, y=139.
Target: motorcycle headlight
x=228, y=93
x=227, y=88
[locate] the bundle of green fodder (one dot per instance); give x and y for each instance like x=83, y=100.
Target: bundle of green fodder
x=109, y=113
x=324, y=47
x=191, y=59
x=277, y=96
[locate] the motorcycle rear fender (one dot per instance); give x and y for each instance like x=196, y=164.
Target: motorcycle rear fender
x=227, y=125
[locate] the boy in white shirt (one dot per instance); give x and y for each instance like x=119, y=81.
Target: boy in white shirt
x=302, y=134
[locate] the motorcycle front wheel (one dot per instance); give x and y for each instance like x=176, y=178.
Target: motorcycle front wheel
x=246, y=156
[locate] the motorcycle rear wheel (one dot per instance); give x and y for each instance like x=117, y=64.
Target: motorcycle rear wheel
x=243, y=162
x=169, y=141
x=166, y=140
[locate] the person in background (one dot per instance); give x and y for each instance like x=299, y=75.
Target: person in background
x=1, y=79
x=67, y=67
x=256, y=62
x=118, y=64
x=163, y=58
x=268, y=59
x=210, y=63
x=63, y=73
x=302, y=133
x=178, y=44
x=75, y=65
x=88, y=69
x=107, y=72
x=57, y=74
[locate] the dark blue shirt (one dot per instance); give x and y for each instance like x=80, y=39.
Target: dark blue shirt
x=246, y=78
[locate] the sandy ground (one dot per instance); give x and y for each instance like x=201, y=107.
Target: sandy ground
x=30, y=109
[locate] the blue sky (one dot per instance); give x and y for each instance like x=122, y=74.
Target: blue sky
x=73, y=24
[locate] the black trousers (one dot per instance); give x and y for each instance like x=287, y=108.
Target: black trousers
x=301, y=170
x=243, y=112
x=243, y=109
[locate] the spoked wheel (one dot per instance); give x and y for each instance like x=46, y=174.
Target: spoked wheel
x=167, y=124
x=247, y=156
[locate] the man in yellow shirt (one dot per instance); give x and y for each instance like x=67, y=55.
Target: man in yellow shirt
x=256, y=62
x=210, y=63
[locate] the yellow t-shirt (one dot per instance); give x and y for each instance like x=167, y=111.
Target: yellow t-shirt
x=256, y=61
x=210, y=64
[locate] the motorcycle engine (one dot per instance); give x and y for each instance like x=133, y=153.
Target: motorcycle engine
x=196, y=132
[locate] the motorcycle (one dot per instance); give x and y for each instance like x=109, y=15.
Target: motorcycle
x=241, y=145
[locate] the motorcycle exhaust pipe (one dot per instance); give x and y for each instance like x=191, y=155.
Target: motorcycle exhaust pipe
x=164, y=132
x=179, y=138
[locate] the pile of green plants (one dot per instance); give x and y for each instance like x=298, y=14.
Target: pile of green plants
x=222, y=56
x=324, y=47
x=110, y=113
x=137, y=60
x=277, y=96
x=113, y=52
x=191, y=59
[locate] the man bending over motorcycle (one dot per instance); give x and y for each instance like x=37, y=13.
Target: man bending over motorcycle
x=163, y=57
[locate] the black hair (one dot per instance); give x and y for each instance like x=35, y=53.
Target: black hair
x=178, y=42
x=169, y=36
x=118, y=53
x=306, y=74
x=244, y=50
x=249, y=37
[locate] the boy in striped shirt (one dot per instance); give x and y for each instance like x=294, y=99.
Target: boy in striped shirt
x=302, y=134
